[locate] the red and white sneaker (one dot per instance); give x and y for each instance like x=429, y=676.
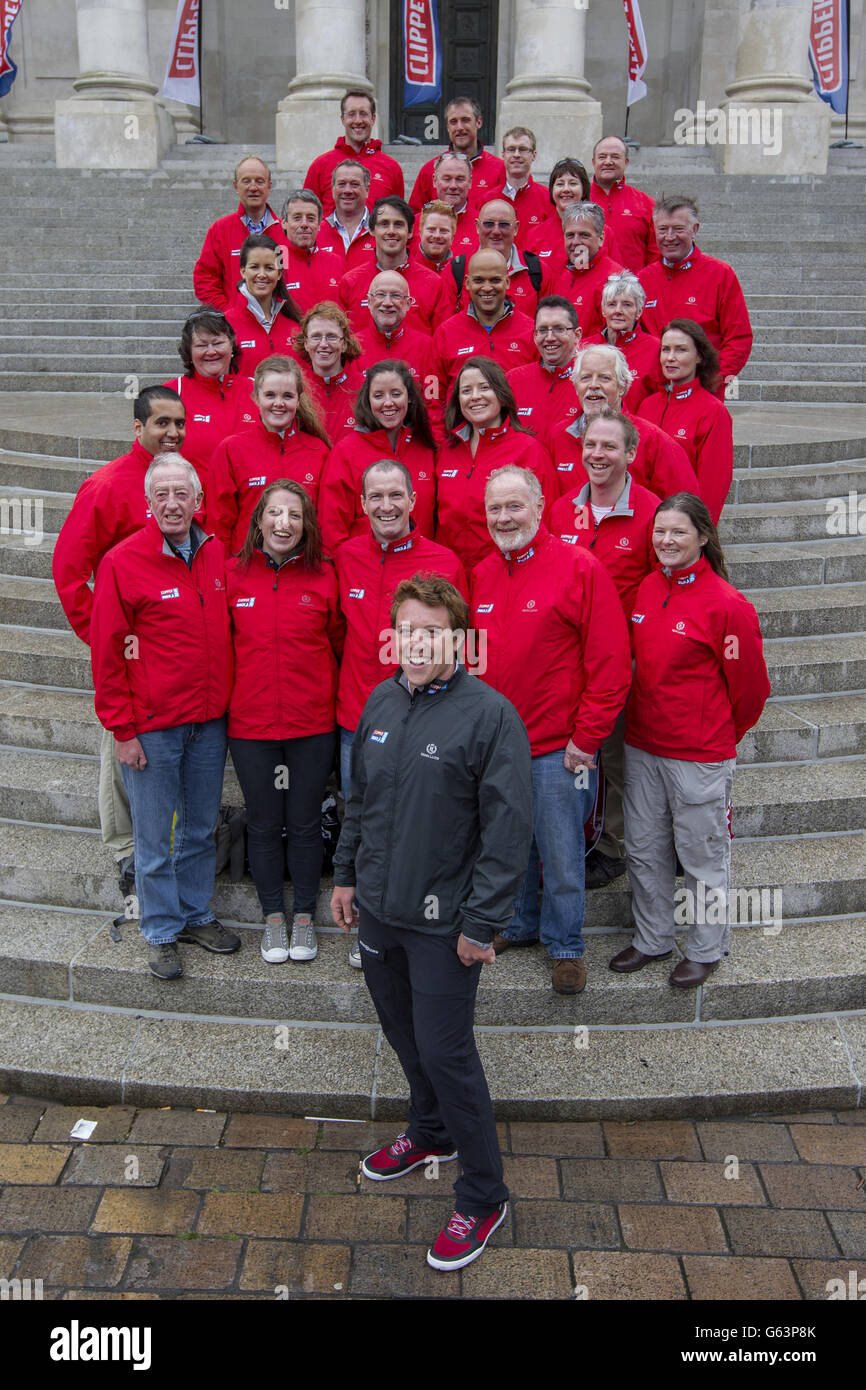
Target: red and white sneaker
x=464, y=1239
x=399, y=1158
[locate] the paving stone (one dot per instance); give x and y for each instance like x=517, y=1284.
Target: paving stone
x=530, y=1177
x=821, y=1280
x=251, y=1214
x=364, y=1138
x=427, y=1217
x=165, y=1263
x=159, y=1213
x=303, y=1268
x=32, y=1163
x=786, y=1232
x=109, y=1295
x=567, y=1140
x=815, y=1117
x=355, y=1218
x=398, y=1271
x=829, y=1189
x=670, y=1227
x=113, y=1123
x=314, y=1172
x=17, y=1123
x=114, y=1165
x=706, y=1182
x=576, y=1225
x=269, y=1132
x=91, y=1262
x=611, y=1274
x=732, y=1277
x=45, y=1209
x=518, y=1274
x=748, y=1141
x=177, y=1127
x=851, y=1117
x=10, y=1249
x=215, y=1169
x=651, y=1139
x=610, y=1180
x=844, y=1144
x=849, y=1228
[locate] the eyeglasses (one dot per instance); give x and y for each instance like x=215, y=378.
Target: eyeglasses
x=557, y=330
x=382, y=296
x=518, y=149
x=329, y=338
x=497, y=226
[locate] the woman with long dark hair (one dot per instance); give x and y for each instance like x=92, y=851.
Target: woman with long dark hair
x=264, y=315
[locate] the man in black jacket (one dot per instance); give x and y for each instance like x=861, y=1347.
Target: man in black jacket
x=434, y=846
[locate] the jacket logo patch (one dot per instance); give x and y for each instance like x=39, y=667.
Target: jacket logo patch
x=461, y=352
x=356, y=593
x=257, y=482
x=245, y=602
x=624, y=542
x=530, y=606
x=201, y=419
x=250, y=343
x=571, y=540
x=689, y=579
x=564, y=467
x=449, y=473
x=680, y=627
x=305, y=598
x=513, y=347
x=526, y=410
x=430, y=752
x=651, y=304
x=170, y=593
x=638, y=617
x=485, y=608
x=379, y=735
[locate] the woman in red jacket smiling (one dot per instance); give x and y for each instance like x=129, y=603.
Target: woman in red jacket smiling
x=264, y=315
x=390, y=422
x=700, y=683
x=288, y=636
x=217, y=400
x=688, y=411
x=326, y=342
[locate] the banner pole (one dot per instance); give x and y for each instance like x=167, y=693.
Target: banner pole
x=845, y=143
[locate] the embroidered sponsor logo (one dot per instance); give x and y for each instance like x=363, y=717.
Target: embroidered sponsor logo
x=305, y=598
x=201, y=419
x=246, y=602
x=308, y=478
x=357, y=593
x=351, y=422
x=651, y=304
x=295, y=285
x=691, y=299
x=624, y=542
x=571, y=540
x=236, y=253
x=688, y=579
x=564, y=467
x=407, y=545
x=422, y=476
x=257, y=482
x=449, y=473
x=170, y=593
x=526, y=410
x=430, y=752
x=247, y=418
x=249, y=343
x=217, y=583
x=513, y=347
x=379, y=735
x=461, y=352
x=680, y=432
x=529, y=607
x=680, y=628
x=638, y=617
x=485, y=608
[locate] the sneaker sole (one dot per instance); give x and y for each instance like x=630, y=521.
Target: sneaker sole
x=302, y=953
x=356, y=964
x=386, y=1177
x=214, y=950
x=473, y=1255
x=278, y=956
x=156, y=975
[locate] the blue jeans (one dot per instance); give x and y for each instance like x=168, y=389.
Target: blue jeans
x=184, y=773
x=560, y=806
x=347, y=738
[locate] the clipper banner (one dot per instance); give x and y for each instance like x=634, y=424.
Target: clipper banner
x=828, y=52
x=8, y=69
x=637, y=54
x=182, y=75
x=422, y=50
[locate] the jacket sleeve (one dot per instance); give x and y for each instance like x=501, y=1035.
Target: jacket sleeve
x=505, y=816
x=336, y=623
x=716, y=462
x=735, y=327
x=207, y=277
x=111, y=626
x=743, y=666
x=77, y=553
x=542, y=466
x=221, y=498
x=350, y=833
x=605, y=657
x=669, y=467
x=336, y=501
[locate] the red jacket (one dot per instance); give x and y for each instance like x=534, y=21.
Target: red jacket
x=386, y=176
x=340, y=512
x=288, y=635
x=547, y=241
x=629, y=213
x=335, y=398
x=245, y=464
x=660, y=464
x=465, y=241
x=622, y=540
x=641, y=352
x=702, y=426
x=432, y=305
x=217, y=269
x=329, y=239
x=312, y=276
x=557, y=646
x=109, y=506
x=545, y=400
x=368, y=574
x=583, y=289
x=214, y=410
x=509, y=342
x=521, y=290
x=160, y=648
x=700, y=680
x=532, y=205
x=256, y=342
x=488, y=174
x=461, y=479
x=707, y=291
x=406, y=345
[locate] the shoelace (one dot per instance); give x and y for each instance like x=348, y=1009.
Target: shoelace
x=460, y=1226
x=400, y=1145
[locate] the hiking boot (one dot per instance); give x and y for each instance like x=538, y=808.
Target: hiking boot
x=126, y=874
x=569, y=976
x=401, y=1157
x=213, y=936
x=303, y=945
x=275, y=939
x=464, y=1239
x=601, y=869
x=163, y=957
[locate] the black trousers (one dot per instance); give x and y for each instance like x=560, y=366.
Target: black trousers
x=425, y=999
x=264, y=767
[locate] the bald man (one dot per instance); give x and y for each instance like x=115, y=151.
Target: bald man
x=490, y=326
x=497, y=228
x=390, y=334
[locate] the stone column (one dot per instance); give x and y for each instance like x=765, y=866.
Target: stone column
x=114, y=120
x=774, y=122
x=548, y=92
x=331, y=47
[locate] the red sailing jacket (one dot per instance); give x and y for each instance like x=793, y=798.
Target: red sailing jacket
x=161, y=648
x=256, y=342
x=335, y=398
x=340, y=513
x=583, y=288
x=548, y=243
x=629, y=213
x=660, y=465
x=368, y=574
x=641, y=352
x=329, y=239
x=702, y=426
x=545, y=400
x=488, y=174
x=245, y=464
x=386, y=176
x=510, y=342
x=521, y=290
x=288, y=634
x=312, y=276
x=705, y=290
x=622, y=540
x=214, y=410
x=405, y=345
x=700, y=680
x=532, y=205
x=557, y=645
x=461, y=479
x=217, y=269
x=433, y=303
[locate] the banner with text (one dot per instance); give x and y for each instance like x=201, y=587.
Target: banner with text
x=8, y=70
x=637, y=54
x=828, y=52
x=182, y=73
x=422, y=49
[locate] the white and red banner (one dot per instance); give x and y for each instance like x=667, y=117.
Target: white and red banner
x=422, y=49
x=637, y=54
x=182, y=73
x=8, y=70
x=828, y=52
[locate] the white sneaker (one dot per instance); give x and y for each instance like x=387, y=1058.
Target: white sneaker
x=275, y=939
x=355, y=957
x=303, y=945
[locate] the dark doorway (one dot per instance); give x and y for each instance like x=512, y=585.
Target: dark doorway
x=469, y=37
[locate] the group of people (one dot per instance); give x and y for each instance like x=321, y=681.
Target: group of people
x=433, y=502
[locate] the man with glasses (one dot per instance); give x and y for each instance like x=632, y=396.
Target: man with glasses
x=497, y=229
x=543, y=390
x=389, y=335
x=391, y=223
x=530, y=200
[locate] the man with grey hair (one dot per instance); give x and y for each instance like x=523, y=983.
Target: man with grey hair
x=346, y=231
x=217, y=269
x=163, y=664
x=627, y=209
x=535, y=596
x=588, y=266
x=452, y=184
x=311, y=273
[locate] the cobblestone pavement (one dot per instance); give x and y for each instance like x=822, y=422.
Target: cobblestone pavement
x=186, y=1204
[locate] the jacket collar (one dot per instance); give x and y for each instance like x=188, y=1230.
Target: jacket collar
x=686, y=263
x=688, y=575
x=398, y=546
x=620, y=507
x=371, y=147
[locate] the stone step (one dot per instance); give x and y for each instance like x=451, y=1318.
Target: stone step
x=807, y=348
x=768, y=330
x=799, y=482
x=39, y=473
x=123, y=280
x=20, y=506
x=803, y=728
x=112, y=298
x=770, y=566
x=108, y=382
x=816, y=665
x=38, y=656
x=821, y=370
x=803, y=392
x=64, y=721
x=808, y=611
x=758, y=522
x=54, y=318
x=24, y=348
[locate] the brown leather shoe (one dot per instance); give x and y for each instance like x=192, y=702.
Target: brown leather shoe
x=569, y=976
x=691, y=973
x=631, y=959
x=502, y=943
